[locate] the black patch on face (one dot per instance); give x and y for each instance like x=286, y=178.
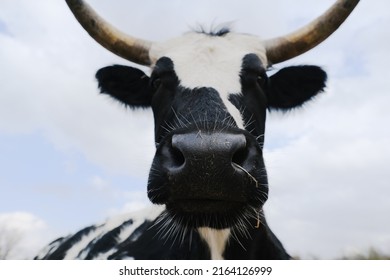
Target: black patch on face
x=252, y=101
x=206, y=170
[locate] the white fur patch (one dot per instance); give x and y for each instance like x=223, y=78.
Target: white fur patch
x=201, y=60
x=138, y=218
x=216, y=240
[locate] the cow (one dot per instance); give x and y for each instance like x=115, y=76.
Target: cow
x=209, y=93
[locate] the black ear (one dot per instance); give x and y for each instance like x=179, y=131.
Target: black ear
x=293, y=86
x=126, y=84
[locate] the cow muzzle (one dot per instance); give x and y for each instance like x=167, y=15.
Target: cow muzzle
x=203, y=173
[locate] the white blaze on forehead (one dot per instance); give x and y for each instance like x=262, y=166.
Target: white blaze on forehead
x=201, y=60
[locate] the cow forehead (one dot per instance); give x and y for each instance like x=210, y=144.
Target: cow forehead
x=201, y=60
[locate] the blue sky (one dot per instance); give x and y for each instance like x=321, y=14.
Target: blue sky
x=70, y=157
x=39, y=178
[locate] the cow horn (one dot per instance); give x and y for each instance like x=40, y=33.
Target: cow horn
x=291, y=45
x=128, y=47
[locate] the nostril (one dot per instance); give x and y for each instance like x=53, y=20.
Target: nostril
x=171, y=157
x=240, y=156
x=177, y=157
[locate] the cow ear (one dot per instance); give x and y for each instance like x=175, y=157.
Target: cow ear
x=127, y=84
x=292, y=86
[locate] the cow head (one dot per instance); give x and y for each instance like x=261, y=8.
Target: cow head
x=209, y=94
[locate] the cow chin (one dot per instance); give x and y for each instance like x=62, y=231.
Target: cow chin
x=213, y=214
x=201, y=204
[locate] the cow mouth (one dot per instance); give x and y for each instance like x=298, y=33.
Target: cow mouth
x=206, y=205
x=195, y=213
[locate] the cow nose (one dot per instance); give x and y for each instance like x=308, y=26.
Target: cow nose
x=206, y=151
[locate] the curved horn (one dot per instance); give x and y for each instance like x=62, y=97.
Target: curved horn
x=130, y=48
x=283, y=48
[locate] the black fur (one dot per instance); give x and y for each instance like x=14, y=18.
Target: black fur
x=182, y=111
x=145, y=243
x=287, y=89
x=292, y=86
x=207, y=171
x=128, y=85
x=106, y=242
x=66, y=244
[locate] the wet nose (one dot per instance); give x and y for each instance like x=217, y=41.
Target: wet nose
x=204, y=151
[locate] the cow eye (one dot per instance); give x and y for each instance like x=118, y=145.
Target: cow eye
x=156, y=83
x=261, y=80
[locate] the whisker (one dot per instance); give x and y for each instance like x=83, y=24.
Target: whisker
x=246, y=172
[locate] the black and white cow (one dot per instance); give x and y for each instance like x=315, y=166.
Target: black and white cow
x=209, y=94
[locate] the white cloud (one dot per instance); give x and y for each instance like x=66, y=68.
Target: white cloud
x=25, y=232
x=136, y=200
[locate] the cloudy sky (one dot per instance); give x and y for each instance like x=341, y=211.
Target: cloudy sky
x=70, y=157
